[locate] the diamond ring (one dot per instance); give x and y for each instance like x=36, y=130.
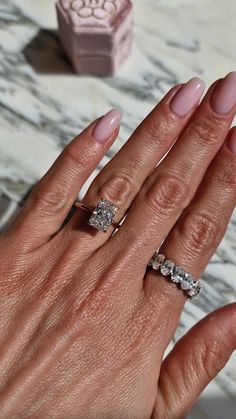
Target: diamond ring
x=176, y=274
x=102, y=215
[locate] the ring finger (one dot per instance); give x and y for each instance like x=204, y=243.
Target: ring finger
x=194, y=238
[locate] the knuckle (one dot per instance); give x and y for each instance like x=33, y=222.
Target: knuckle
x=226, y=175
x=119, y=188
x=81, y=159
x=201, y=231
x=168, y=194
x=208, y=131
x=213, y=358
x=154, y=130
x=50, y=201
x=151, y=131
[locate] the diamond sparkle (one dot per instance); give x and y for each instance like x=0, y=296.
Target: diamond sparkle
x=178, y=275
x=156, y=261
x=167, y=268
x=195, y=290
x=103, y=215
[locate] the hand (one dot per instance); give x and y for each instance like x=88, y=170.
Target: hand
x=84, y=323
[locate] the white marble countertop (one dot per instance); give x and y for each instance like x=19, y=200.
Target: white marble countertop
x=44, y=104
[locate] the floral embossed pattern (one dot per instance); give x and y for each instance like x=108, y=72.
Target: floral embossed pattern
x=99, y=9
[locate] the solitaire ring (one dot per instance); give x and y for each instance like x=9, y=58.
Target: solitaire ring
x=102, y=216
x=176, y=274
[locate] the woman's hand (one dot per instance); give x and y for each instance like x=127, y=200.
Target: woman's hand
x=84, y=324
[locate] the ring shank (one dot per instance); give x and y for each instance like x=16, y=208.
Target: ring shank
x=84, y=206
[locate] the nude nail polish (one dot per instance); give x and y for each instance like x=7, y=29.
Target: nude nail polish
x=232, y=141
x=187, y=97
x=107, y=125
x=224, y=99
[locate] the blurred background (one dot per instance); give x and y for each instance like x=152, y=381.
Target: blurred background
x=44, y=104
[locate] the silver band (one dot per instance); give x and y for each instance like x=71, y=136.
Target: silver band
x=176, y=274
x=102, y=216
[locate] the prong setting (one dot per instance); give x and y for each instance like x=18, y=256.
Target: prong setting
x=176, y=274
x=103, y=215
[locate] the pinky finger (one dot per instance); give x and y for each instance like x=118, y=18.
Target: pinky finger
x=52, y=198
x=194, y=361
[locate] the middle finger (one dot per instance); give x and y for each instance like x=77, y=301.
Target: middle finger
x=122, y=178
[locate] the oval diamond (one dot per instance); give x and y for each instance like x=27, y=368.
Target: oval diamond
x=156, y=261
x=178, y=275
x=195, y=290
x=167, y=268
x=187, y=282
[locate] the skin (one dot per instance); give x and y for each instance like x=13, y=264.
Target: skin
x=84, y=325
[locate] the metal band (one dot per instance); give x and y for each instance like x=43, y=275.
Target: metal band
x=84, y=207
x=176, y=274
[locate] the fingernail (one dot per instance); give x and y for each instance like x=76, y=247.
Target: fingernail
x=232, y=141
x=107, y=125
x=187, y=97
x=224, y=98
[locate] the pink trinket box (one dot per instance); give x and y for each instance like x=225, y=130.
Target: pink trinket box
x=96, y=34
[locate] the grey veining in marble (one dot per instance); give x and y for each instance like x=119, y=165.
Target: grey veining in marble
x=44, y=104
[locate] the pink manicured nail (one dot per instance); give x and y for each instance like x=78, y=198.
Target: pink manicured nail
x=187, y=97
x=107, y=125
x=232, y=141
x=224, y=98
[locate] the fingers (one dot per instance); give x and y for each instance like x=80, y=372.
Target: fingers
x=171, y=187
x=201, y=227
x=194, y=361
x=53, y=197
x=122, y=178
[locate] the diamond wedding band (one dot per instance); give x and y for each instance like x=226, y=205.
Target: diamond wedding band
x=176, y=274
x=102, y=215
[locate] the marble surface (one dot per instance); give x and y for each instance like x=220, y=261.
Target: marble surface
x=43, y=105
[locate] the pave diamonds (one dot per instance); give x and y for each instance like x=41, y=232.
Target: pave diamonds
x=167, y=267
x=178, y=275
x=156, y=261
x=103, y=215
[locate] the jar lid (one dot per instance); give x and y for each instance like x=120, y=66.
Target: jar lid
x=100, y=13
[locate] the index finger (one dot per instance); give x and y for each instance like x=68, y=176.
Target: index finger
x=52, y=198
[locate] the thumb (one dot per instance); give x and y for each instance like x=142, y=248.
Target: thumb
x=194, y=361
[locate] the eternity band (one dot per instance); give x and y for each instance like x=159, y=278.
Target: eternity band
x=176, y=274
x=102, y=215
